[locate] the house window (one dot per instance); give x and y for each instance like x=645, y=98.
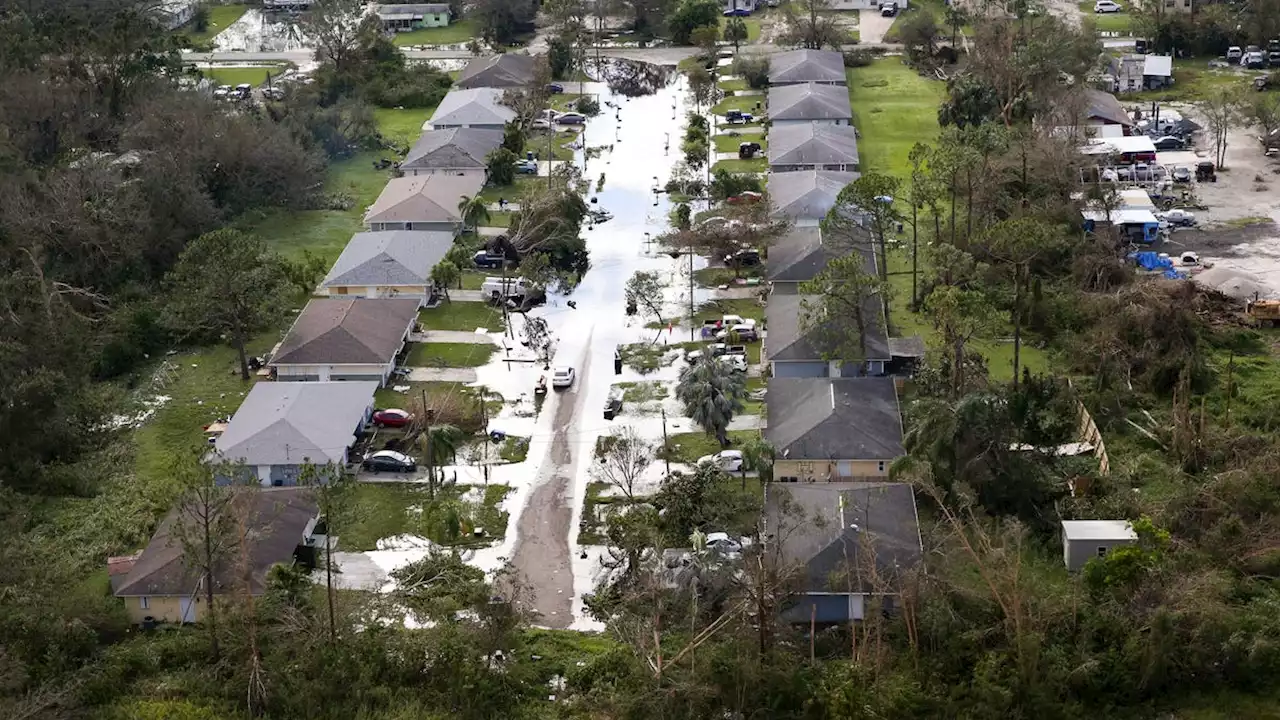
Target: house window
x=145, y=603
x=788, y=479
x=1102, y=551
x=880, y=466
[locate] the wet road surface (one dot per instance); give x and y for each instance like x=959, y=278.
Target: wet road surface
x=637, y=130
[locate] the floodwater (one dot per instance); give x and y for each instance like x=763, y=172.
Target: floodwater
x=258, y=31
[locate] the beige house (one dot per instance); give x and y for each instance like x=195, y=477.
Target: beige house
x=423, y=202
x=388, y=264
x=345, y=339
x=161, y=585
x=833, y=429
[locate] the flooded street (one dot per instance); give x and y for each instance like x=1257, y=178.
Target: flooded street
x=634, y=135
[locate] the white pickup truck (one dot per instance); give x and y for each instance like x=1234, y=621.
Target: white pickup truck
x=500, y=288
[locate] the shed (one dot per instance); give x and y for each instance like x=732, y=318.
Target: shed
x=1083, y=540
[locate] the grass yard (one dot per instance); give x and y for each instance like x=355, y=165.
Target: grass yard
x=511, y=193
x=564, y=102
x=729, y=143
x=473, y=279
x=449, y=355
x=754, y=165
x=537, y=143
x=233, y=76
x=1192, y=79
x=644, y=391
x=937, y=8
x=717, y=276
x=688, y=447
x=754, y=407
x=402, y=125
x=755, y=24
x=893, y=109
x=221, y=17
x=465, y=316
x=1107, y=22
x=715, y=309
x=746, y=103
x=459, y=32
x=384, y=510
x=732, y=85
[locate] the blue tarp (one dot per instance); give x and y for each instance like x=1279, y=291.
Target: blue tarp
x=1149, y=260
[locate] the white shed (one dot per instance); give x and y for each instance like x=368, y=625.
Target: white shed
x=1083, y=540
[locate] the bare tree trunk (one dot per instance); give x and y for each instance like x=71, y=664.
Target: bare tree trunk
x=244, y=359
x=214, y=650
x=1017, y=322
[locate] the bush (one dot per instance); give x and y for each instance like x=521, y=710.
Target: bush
x=861, y=57
x=755, y=70
x=588, y=106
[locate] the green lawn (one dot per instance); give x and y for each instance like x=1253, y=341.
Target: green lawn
x=755, y=24
x=715, y=309
x=512, y=193
x=459, y=32
x=935, y=7
x=754, y=407
x=732, y=85
x=1107, y=22
x=473, y=279
x=384, y=510
x=1192, y=79
x=893, y=108
x=729, y=143
x=564, y=102
x=465, y=316
x=746, y=103
x=402, y=125
x=449, y=355
x=233, y=76
x=717, y=276
x=688, y=447
x=755, y=165
x=220, y=18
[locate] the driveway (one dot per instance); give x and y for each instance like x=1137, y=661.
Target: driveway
x=872, y=26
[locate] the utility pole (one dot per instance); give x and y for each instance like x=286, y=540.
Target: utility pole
x=691, y=313
x=666, y=446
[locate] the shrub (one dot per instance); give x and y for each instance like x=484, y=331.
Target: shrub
x=754, y=70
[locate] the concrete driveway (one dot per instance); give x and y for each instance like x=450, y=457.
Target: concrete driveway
x=872, y=26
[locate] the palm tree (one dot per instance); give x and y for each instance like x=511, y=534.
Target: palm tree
x=759, y=455
x=712, y=392
x=474, y=211
x=439, y=444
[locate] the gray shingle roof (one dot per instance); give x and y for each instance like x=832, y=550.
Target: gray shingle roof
x=806, y=194
x=813, y=144
x=836, y=524
x=834, y=418
x=278, y=517
x=498, y=71
x=477, y=106
x=392, y=257
x=788, y=342
x=802, y=66
x=348, y=331
x=1105, y=106
x=809, y=101
x=287, y=423
x=424, y=198
x=452, y=149
x=801, y=254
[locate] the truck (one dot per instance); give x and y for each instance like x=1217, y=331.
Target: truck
x=501, y=288
x=1263, y=312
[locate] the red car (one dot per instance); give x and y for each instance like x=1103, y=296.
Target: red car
x=392, y=417
x=745, y=198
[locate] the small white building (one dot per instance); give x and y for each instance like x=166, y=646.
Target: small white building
x=1083, y=540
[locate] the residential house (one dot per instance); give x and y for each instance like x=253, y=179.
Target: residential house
x=742, y=6
x=793, y=351
x=833, y=429
x=341, y=339
x=451, y=150
x=813, y=146
x=1083, y=540
x=1102, y=108
x=506, y=70
x=807, y=66
x=161, y=584
x=282, y=426
x=809, y=103
x=475, y=108
x=801, y=254
x=173, y=14
x=423, y=202
x=853, y=542
x=405, y=18
x=392, y=263
x=1134, y=73
x=805, y=196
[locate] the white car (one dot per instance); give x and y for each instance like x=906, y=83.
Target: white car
x=563, y=377
x=737, y=362
x=1106, y=6
x=727, y=460
x=731, y=320
x=721, y=542
x=1178, y=217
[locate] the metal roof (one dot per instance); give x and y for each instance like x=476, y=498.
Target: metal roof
x=1098, y=530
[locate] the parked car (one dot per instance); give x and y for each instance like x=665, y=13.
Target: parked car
x=1178, y=217
x=1254, y=60
x=389, y=461
x=1181, y=175
x=1169, y=142
x=1234, y=53
x=540, y=124
x=485, y=259
x=888, y=9
x=737, y=362
x=731, y=320
x=1106, y=6
x=748, y=150
x=392, y=417
x=721, y=543
x=563, y=377
x=613, y=404
x=727, y=460
x=743, y=258
x=572, y=119
x=733, y=117
x=745, y=333
x=555, y=88
x=243, y=89
x=1206, y=172
x=273, y=93
x=527, y=167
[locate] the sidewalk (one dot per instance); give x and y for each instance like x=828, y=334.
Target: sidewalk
x=459, y=375
x=452, y=336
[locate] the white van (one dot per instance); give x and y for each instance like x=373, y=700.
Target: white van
x=499, y=288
